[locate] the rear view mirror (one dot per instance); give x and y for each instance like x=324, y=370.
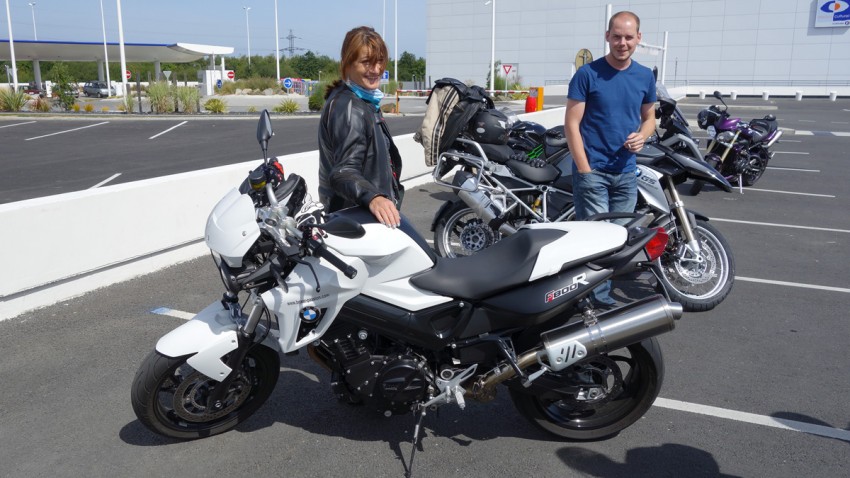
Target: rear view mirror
x=264, y=131
x=718, y=95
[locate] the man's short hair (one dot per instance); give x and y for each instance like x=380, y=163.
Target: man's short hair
x=624, y=12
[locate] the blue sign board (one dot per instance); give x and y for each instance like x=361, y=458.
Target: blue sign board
x=287, y=82
x=385, y=78
x=218, y=84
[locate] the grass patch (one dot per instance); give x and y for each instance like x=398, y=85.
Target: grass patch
x=288, y=106
x=215, y=105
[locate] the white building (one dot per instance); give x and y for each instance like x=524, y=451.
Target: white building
x=755, y=44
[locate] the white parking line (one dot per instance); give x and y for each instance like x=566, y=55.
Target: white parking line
x=791, y=152
x=179, y=314
x=790, y=192
x=66, y=131
x=792, y=226
x=169, y=129
x=795, y=169
x=763, y=420
x=17, y=124
x=794, y=284
x=110, y=178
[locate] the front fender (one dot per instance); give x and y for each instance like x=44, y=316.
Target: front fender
x=209, y=336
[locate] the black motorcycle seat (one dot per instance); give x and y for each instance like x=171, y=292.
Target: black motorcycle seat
x=545, y=174
x=553, y=142
x=763, y=128
x=500, y=267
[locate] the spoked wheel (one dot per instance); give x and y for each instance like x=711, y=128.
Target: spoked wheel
x=754, y=169
x=597, y=397
x=700, y=282
x=460, y=232
x=170, y=397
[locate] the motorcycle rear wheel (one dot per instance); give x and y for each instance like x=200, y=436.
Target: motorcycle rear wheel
x=641, y=368
x=169, y=396
x=755, y=169
x=698, y=286
x=460, y=232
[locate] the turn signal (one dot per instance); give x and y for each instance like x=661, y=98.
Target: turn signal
x=655, y=247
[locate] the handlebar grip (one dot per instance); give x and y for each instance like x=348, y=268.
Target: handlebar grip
x=321, y=251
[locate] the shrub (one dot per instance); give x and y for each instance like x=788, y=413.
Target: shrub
x=252, y=109
x=105, y=109
x=188, y=97
x=388, y=108
x=40, y=104
x=127, y=104
x=75, y=107
x=12, y=100
x=89, y=107
x=64, y=86
x=317, y=98
x=286, y=106
x=160, y=96
x=215, y=105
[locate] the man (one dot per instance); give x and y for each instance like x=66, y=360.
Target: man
x=610, y=113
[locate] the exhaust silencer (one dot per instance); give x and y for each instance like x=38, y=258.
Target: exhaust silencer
x=633, y=323
x=480, y=203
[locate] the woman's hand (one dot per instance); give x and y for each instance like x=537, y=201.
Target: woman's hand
x=385, y=211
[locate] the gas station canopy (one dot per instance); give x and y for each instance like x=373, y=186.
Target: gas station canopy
x=93, y=51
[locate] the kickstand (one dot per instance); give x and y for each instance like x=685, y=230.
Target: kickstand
x=416, y=430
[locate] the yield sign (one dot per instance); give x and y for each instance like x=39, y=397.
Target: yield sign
x=507, y=68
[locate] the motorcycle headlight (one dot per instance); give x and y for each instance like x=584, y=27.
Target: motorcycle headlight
x=725, y=138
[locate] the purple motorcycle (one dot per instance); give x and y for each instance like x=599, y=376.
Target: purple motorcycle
x=738, y=149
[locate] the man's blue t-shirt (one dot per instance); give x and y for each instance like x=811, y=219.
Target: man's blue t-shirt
x=613, y=99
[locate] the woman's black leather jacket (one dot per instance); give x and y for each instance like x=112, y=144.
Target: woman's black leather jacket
x=358, y=159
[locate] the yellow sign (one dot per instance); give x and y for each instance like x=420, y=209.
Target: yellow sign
x=583, y=57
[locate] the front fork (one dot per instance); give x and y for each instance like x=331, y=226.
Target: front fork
x=691, y=252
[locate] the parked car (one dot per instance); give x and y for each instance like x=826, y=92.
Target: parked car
x=33, y=89
x=98, y=88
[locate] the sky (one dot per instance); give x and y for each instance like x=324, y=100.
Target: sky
x=319, y=25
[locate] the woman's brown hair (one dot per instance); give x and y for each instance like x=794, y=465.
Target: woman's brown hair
x=355, y=40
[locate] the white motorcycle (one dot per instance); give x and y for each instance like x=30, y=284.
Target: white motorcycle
x=401, y=330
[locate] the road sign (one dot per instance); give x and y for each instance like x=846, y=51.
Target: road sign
x=287, y=83
x=507, y=67
x=583, y=57
x=218, y=84
x=231, y=75
x=167, y=74
x=385, y=77
x=127, y=74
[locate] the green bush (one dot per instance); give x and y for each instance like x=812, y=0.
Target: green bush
x=215, y=105
x=127, y=103
x=286, y=106
x=252, y=109
x=64, y=86
x=40, y=104
x=12, y=100
x=255, y=84
x=161, y=97
x=188, y=97
x=317, y=98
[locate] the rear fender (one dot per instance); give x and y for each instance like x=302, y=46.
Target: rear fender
x=208, y=337
x=446, y=205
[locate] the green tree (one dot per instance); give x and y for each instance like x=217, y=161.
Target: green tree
x=64, y=85
x=409, y=66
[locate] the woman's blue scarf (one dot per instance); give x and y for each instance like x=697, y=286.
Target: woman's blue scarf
x=372, y=96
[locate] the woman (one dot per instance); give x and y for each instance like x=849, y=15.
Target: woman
x=359, y=163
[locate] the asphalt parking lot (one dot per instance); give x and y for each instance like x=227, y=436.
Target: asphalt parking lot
x=756, y=387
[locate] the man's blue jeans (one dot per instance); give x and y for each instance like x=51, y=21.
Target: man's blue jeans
x=596, y=192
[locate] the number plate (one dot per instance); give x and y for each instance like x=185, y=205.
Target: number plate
x=711, y=131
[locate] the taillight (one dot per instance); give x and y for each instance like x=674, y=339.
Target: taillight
x=655, y=247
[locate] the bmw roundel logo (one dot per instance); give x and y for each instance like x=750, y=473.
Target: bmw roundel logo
x=310, y=314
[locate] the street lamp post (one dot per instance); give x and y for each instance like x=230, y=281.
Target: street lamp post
x=248, y=29
x=276, y=45
x=32, y=7
x=492, y=49
x=320, y=76
x=12, y=49
x=105, y=54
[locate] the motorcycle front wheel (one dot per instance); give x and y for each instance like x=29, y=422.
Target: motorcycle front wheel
x=460, y=232
x=698, y=285
x=597, y=397
x=170, y=397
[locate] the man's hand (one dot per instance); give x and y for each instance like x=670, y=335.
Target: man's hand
x=385, y=211
x=634, y=142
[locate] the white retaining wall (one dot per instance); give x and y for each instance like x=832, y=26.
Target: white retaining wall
x=58, y=247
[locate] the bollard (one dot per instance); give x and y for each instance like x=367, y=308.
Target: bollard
x=733, y=94
x=701, y=94
x=833, y=95
x=765, y=95
x=798, y=95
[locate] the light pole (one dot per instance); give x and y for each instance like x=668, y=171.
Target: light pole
x=105, y=54
x=124, y=78
x=32, y=7
x=276, y=45
x=12, y=49
x=248, y=29
x=395, y=46
x=320, y=76
x=492, y=48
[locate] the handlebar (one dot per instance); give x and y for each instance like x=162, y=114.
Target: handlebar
x=319, y=249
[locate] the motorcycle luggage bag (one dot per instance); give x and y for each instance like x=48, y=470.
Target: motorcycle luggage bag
x=451, y=106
